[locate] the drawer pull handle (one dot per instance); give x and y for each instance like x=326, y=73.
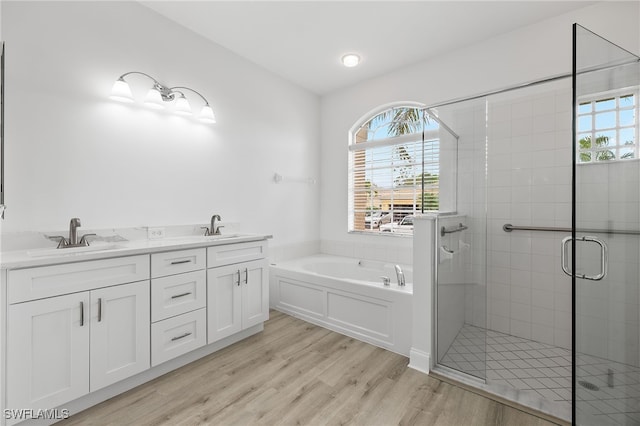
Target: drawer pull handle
x=180, y=337
x=99, y=309
x=178, y=262
x=81, y=314
x=238, y=272
x=181, y=295
x=246, y=275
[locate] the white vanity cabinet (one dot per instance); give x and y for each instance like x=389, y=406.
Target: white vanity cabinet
x=237, y=288
x=63, y=347
x=178, y=303
x=72, y=329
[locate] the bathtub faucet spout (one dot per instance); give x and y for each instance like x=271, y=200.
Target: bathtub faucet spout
x=400, y=275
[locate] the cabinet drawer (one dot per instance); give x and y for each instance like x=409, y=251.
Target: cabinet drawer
x=177, y=262
x=47, y=281
x=235, y=253
x=178, y=294
x=178, y=335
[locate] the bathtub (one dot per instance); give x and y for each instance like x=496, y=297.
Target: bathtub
x=346, y=295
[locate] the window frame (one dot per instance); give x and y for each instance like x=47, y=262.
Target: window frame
x=602, y=96
x=363, y=146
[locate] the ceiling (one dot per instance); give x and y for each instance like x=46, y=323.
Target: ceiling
x=303, y=41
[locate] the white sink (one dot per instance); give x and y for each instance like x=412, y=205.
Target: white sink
x=95, y=247
x=222, y=237
x=202, y=238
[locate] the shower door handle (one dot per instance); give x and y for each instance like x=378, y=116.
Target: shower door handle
x=604, y=257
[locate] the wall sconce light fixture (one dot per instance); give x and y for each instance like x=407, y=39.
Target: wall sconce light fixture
x=159, y=94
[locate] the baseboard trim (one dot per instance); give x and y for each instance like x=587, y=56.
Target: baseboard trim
x=419, y=360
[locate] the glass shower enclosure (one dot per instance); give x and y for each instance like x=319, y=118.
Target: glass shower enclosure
x=605, y=242
x=538, y=268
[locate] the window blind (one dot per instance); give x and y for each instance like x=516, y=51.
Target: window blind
x=392, y=177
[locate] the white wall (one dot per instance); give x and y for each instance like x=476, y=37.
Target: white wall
x=531, y=53
x=71, y=151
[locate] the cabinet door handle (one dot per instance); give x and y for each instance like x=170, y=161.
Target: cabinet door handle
x=81, y=314
x=238, y=272
x=181, y=295
x=246, y=275
x=180, y=337
x=179, y=262
x=99, y=309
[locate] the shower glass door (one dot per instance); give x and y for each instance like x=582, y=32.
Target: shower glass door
x=603, y=255
x=461, y=254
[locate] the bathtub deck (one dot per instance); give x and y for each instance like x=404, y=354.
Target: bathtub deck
x=298, y=373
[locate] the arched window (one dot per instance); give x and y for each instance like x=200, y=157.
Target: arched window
x=394, y=169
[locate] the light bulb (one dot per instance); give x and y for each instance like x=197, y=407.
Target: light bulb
x=153, y=99
x=182, y=106
x=206, y=115
x=121, y=91
x=350, y=60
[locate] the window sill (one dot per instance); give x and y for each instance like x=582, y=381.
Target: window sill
x=382, y=234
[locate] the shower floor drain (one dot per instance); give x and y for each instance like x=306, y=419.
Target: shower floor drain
x=588, y=385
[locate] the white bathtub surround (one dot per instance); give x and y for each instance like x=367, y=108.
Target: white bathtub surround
x=281, y=253
x=347, y=295
x=383, y=248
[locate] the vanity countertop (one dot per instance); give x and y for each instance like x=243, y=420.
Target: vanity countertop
x=50, y=256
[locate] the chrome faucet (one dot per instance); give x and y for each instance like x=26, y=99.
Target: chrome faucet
x=74, y=224
x=213, y=230
x=400, y=275
x=72, y=241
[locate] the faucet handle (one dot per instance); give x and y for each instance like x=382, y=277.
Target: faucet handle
x=83, y=240
x=385, y=280
x=206, y=231
x=62, y=241
x=217, y=231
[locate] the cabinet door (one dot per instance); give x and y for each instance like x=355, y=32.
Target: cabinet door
x=120, y=333
x=48, y=351
x=255, y=292
x=224, y=306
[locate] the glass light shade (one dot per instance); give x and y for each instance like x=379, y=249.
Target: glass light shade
x=154, y=99
x=182, y=106
x=350, y=60
x=121, y=91
x=206, y=115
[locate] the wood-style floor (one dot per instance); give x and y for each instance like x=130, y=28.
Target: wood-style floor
x=295, y=373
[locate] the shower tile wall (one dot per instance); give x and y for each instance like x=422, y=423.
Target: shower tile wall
x=522, y=145
x=515, y=167
x=608, y=310
x=529, y=183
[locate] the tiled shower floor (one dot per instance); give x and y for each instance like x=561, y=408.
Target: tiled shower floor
x=544, y=371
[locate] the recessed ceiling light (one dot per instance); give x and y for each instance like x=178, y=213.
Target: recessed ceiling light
x=350, y=60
